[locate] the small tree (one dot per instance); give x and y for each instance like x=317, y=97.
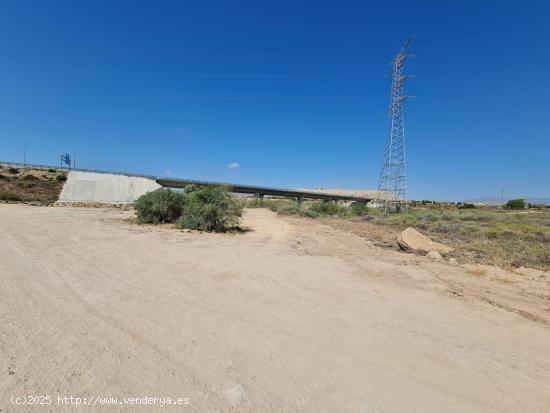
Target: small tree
x=210, y=208
x=515, y=204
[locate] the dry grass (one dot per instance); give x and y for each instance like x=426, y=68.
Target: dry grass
x=489, y=236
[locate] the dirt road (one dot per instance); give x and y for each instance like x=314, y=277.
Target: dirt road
x=292, y=316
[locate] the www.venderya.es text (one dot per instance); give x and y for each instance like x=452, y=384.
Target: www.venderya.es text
x=95, y=400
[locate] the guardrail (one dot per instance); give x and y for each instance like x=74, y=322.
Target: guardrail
x=58, y=168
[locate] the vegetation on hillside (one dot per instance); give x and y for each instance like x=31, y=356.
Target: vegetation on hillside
x=30, y=185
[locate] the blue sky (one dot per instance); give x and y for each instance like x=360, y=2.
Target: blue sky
x=294, y=92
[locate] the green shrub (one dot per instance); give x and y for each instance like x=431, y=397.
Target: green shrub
x=515, y=204
x=293, y=208
x=328, y=208
x=277, y=205
x=3, y=177
x=211, y=208
x=13, y=170
x=253, y=202
x=191, y=188
x=466, y=206
x=158, y=207
x=61, y=178
x=9, y=196
x=309, y=213
x=51, y=170
x=30, y=178
x=359, y=208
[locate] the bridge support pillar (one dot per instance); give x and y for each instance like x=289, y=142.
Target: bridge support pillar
x=260, y=197
x=300, y=200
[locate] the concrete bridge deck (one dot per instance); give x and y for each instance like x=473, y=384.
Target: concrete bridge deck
x=262, y=190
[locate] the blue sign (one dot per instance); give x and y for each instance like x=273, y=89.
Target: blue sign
x=66, y=159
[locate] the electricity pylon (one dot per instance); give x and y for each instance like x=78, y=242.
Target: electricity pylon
x=392, y=187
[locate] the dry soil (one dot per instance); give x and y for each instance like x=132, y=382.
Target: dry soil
x=291, y=316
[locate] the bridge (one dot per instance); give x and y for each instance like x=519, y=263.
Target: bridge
x=260, y=191
x=109, y=186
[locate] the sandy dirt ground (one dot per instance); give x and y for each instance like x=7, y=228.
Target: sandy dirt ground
x=292, y=316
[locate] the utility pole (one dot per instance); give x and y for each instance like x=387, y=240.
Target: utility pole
x=74, y=154
x=25, y=155
x=392, y=187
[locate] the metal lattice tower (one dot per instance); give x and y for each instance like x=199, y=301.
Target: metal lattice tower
x=392, y=187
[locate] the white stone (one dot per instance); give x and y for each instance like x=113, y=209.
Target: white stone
x=235, y=393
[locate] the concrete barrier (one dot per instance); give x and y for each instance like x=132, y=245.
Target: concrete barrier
x=105, y=188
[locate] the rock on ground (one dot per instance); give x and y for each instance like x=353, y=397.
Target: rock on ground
x=413, y=241
x=434, y=255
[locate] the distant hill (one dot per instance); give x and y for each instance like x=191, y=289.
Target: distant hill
x=537, y=201
x=498, y=201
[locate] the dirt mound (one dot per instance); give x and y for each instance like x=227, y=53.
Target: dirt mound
x=40, y=186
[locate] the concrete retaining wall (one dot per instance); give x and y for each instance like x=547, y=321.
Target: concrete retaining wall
x=105, y=188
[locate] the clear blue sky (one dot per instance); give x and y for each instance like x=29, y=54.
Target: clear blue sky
x=295, y=92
